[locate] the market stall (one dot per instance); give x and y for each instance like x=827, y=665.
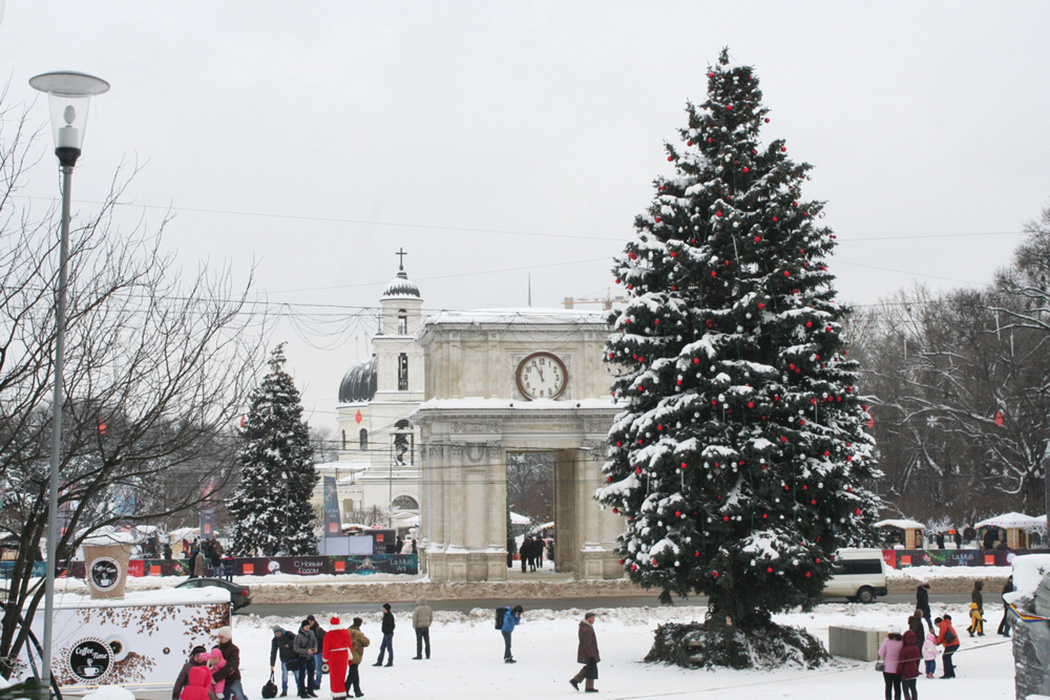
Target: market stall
x=903, y=532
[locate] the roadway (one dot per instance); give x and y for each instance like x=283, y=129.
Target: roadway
x=465, y=605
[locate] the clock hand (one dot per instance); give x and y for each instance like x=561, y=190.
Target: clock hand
x=540, y=370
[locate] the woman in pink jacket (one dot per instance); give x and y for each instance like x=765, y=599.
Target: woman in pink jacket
x=890, y=653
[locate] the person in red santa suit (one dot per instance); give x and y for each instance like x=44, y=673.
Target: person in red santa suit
x=336, y=651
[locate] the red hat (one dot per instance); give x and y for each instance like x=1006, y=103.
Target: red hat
x=334, y=621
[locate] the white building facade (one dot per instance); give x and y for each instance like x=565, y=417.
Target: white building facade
x=426, y=423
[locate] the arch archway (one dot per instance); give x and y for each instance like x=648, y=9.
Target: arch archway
x=464, y=490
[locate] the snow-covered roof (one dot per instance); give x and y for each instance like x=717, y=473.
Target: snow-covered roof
x=479, y=402
x=904, y=524
x=184, y=533
x=359, y=382
x=523, y=316
x=518, y=519
x=401, y=286
x=1009, y=520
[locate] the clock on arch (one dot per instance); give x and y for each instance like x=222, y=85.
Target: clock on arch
x=541, y=375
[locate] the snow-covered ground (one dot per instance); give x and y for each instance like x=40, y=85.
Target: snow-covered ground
x=468, y=650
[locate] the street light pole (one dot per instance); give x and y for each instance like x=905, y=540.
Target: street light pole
x=69, y=95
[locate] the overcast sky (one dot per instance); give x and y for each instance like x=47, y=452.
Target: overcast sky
x=498, y=142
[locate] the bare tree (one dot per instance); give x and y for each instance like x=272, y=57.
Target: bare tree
x=961, y=385
x=158, y=364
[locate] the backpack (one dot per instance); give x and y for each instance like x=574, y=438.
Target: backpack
x=500, y=614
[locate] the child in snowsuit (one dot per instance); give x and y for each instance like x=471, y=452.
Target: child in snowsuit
x=197, y=686
x=930, y=650
x=215, y=662
x=976, y=621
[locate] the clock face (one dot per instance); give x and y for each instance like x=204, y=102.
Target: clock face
x=542, y=375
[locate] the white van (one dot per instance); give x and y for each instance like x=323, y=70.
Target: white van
x=859, y=575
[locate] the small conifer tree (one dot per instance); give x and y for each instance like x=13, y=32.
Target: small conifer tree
x=271, y=507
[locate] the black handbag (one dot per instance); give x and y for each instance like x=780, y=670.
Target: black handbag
x=269, y=690
x=292, y=664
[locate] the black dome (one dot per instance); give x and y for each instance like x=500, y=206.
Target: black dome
x=401, y=286
x=359, y=384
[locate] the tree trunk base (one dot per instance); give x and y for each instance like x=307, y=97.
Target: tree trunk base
x=701, y=645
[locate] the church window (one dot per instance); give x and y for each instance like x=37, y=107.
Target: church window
x=344, y=439
x=363, y=439
x=405, y=503
x=403, y=443
x=402, y=372
x=402, y=322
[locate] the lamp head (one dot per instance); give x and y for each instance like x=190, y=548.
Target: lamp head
x=69, y=95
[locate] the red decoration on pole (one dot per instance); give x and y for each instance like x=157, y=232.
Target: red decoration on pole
x=102, y=427
x=358, y=418
x=999, y=418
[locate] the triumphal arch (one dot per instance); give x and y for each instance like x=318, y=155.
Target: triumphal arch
x=513, y=381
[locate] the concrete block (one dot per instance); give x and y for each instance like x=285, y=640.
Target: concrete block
x=855, y=643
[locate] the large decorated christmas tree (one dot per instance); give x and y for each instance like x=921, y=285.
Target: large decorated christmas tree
x=740, y=461
x=271, y=508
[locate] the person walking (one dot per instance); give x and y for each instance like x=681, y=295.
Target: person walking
x=922, y=602
x=948, y=639
x=510, y=620
x=387, y=645
x=305, y=646
x=890, y=652
x=358, y=642
x=976, y=621
x=231, y=671
x=1004, y=625
x=336, y=652
x=915, y=624
x=422, y=617
x=587, y=654
x=977, y=601
x=282, y=646
x=908, y=665
x=318, y=668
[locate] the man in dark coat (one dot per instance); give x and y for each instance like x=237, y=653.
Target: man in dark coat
x=319, y=633
x=305, y=646
x=283, y=644
x=1004, y=626
x=587, y=654
x=387, y=645
x=922, y=602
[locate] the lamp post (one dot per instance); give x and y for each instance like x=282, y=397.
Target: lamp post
x=69, y=95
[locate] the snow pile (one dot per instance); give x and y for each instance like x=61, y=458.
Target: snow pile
x=1029, y=571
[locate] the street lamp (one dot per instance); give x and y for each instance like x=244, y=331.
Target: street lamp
x=69, y=95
